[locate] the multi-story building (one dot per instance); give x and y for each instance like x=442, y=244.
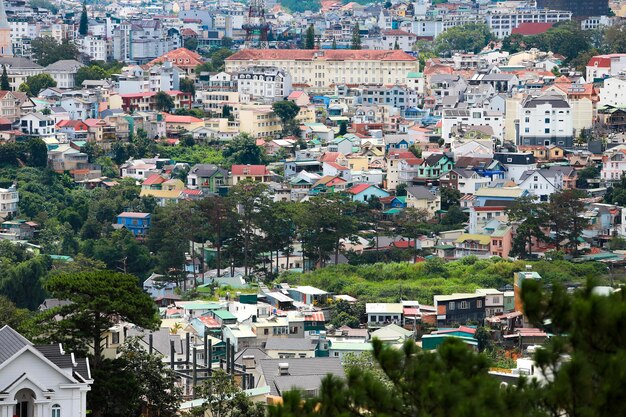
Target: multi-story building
x=256, y=83
x=320, y=69
x=577, y=7
x=159, y=77
x=458, y=309
x=19, y=69
x=470, y=117
x=604, y=66
x=147, y=102
x=546, y=120
x=36, y=124
x=95, y=47
x=143, y=40
x=9, y=198
x=502, y=22
x=613, y=92
x=64, y=72
x=494, y=301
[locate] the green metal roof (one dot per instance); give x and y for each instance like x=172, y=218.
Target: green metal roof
x=351, y=346
x=224, y=315
x=392, y=211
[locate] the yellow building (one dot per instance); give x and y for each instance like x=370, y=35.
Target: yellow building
x=320, y=69
x=260, y=121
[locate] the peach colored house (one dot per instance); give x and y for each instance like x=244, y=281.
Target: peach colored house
x=501, y=242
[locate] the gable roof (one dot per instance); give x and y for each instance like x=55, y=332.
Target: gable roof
x=419, y=192
x=11, y=342
x=249, y=170
x=359, y=188
x=305, y=373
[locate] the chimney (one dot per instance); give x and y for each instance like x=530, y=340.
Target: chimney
x=248, y=362
x=283, y=369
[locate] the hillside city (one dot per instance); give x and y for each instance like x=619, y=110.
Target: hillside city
x=309, y=208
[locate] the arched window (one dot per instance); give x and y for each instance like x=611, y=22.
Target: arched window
x=56, y=411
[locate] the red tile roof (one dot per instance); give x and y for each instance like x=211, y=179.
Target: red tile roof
x=172, y=118
x=601, y=61
x=154, y=179
x=181, y=57
x=249, y=170
x=359, y=188
x=531, y=28
x=397, y=32
x=326, y=55
x=73, y=124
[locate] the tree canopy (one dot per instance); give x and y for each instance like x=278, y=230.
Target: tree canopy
x=98, y=300
x=472, y=37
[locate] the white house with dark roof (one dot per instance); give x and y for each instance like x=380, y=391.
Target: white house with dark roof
x=38, y=381
x=546, y=120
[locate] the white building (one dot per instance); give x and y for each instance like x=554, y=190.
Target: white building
x=64, y=72
x=613, y=165
x=603, y=66
x=502, y=22
x=382, y=314
x=95, y=47
x=613, y=92
x=41, y=380
x=393, y=39
x=494, y=301
x=160, y=77
x=541, y=183
x=9, y=198
x=263, y=83
x=143, y=40
x=36, y=124
x=546, y=120
x=470, y=117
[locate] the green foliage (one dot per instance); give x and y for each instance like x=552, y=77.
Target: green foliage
x=450, y=382
x=343, y=128
x=92, y=72
x=45, y=4
x=225, y=398
x=191, y=44
x=355, y=42
x=301, y=5
x=187, y=86
x=133, y=382
x=21, y=276
x=391, y=282
x=36, y=83
x=454, y=216
x=472, y=37
x=309, y=40
x=47, y=50
x=192, y=155
x=585, y=356
x=163, y=101
x=346, y=314
x=243, y=150
x=286, y=110
x=83, y=26
x=4, y=80
x=99, y=299
x=450, y=196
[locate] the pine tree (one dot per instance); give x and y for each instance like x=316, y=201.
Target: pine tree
x=309, y=42
x=356, y=37
x=4, y=80
x=395, y=45
x=334, y=43
x=83, y=27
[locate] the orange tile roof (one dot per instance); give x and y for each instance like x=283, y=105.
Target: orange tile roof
x=181, y=57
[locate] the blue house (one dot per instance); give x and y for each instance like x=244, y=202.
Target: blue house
x=364, y=192
x=137, y=223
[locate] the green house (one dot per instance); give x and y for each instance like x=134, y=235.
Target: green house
x=434, y=167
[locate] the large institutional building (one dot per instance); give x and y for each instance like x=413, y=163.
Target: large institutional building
x=6, y=46
x=321, y=69
x=579, y=8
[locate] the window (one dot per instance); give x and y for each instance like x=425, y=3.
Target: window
x=452, y=305
x=56, y=411
x=464, y=305
x=479, y=303
x=115, y=338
